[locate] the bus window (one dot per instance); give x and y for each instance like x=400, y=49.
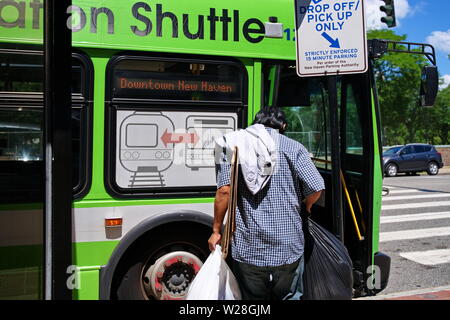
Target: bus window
x=166, y=115
x=21, y=136
x=21, y=127
x=21, y=72
x=351, y=105
x=305, y=103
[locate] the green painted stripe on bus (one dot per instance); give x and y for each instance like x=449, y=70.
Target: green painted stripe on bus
x=88, y=285
x=100, y=60
x=91, y=254
x=250, y=74
x=89, y=257
x=377, y=183
x=257, y=94
x=138, y=202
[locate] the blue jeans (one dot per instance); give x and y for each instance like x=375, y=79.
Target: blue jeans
x=296, y=291
x=270, y=283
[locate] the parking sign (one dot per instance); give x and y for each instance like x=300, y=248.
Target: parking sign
x=330, y=37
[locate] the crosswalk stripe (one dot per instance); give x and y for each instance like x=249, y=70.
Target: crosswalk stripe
x=397, y=191
x=422, y=196
x=429, y=258
x=414, y=205
x=414, y=234
x=415, y=217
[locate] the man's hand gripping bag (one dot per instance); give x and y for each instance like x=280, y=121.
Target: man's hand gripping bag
x=214, y=281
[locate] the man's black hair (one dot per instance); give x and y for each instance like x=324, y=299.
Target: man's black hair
x=272, y=117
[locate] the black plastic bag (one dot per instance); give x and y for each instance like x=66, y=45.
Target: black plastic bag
x=328, y=273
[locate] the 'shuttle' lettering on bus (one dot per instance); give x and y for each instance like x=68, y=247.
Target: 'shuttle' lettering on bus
x=252, y=29
x=14, y=14
x=19, y=15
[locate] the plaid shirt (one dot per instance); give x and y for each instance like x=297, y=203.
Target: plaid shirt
x=268, y=224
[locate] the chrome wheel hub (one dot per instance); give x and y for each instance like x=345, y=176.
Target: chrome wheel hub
x=170, y=276
x=392, y=170
x=433, y=168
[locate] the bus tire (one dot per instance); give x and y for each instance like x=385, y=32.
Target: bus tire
x=128, y=281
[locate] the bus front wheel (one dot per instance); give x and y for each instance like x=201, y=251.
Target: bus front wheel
x=161, y=265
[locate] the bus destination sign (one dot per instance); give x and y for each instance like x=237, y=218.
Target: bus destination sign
x=177, y=85
x=143, y=85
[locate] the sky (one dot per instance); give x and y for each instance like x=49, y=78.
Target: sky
x=423, y=21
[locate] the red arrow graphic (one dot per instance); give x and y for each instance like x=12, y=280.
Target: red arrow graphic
x=168, y=137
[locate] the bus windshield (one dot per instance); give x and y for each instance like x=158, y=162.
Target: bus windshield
x=305, y=101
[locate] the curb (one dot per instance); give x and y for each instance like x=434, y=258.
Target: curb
x=441, y=173
x=404, y=294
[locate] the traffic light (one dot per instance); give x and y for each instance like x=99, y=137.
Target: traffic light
x=389, y=9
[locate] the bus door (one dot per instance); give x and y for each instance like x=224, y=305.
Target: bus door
x=306, y=103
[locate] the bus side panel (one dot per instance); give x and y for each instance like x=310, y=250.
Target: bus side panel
x=88, y=284
x=257, y=91
x=232, y=28
x=87, y=259
x=100, y=60
x=377, y=182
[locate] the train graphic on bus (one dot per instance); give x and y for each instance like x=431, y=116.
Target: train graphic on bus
x=153, y=146
x=141, y=150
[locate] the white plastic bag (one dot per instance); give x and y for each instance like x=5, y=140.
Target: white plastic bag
x=214, y=281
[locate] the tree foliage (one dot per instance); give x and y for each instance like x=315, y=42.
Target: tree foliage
x=398, y=77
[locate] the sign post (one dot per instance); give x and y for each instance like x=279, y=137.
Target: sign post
x=331, y=37
x=58, y=150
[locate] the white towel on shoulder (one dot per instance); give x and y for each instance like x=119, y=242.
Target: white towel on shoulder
x=257, y=154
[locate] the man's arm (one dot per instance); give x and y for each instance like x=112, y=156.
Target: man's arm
x=220, y=209
x=311, y=199
x=311, y=181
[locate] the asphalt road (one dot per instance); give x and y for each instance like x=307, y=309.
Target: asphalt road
x=415, y=232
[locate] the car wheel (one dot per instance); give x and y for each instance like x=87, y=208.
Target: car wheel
x=391, y=170
x=433, y=169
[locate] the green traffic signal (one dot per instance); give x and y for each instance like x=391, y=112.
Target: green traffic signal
x=389, y=9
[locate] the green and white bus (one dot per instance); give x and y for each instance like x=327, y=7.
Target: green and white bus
x=153, y=83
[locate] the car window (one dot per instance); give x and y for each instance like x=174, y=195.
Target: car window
x=420, y=149
x=391, y=151
x=408, y=150
x=428, y=148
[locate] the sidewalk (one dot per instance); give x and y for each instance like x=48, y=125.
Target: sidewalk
x=444, y=170
x=440, y=293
